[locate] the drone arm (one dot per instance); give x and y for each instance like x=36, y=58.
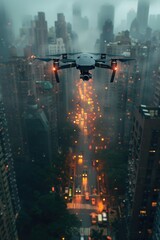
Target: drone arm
x=102, y=65
x=44, y=59
x=69, y=65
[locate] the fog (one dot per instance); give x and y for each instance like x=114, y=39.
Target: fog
x=17, y=9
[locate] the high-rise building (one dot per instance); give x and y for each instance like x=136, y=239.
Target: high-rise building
x=130, y=17
x=143, y=172
x=106, y=13
x=18, y=74
x=61, y=28
x=142, y=15
x=80, y=24
x=57, y=47
x=38, y=133
x=6, y=35
x=156, y=228
x=107, y=34
x=41, y=34
x=9, y=200
x=157, y=91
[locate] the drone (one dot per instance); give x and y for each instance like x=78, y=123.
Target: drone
x=84, y=62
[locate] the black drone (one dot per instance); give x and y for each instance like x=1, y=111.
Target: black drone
x=84, y=62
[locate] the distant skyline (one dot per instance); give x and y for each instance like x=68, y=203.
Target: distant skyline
x=17, y=9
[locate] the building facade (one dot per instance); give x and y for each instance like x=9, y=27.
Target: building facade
x=143, y=172
x=9, y=200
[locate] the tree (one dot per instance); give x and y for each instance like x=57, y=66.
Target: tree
x=97, y=234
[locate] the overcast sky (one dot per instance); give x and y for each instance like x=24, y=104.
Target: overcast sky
x=90, y=8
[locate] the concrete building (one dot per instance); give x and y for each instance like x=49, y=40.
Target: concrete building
x=139, y=25
x=18, y=74
x=80, y=24
x=41, y=35
x=38, y=133
x=142, y=15
x=143, y=172
x=106, y=35
x=156, y=228
x=57, y=47
x=6, y=34
x=106, y=13
x=61, y=28
x=9, y=200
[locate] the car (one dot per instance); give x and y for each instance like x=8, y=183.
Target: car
x=104, y=217
x=100, y=219
x=66, y=191
x=78, y=190
x=81, y=238
x=85, y=173
x=93, y=201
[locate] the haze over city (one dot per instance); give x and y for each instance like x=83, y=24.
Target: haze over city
x=79, y=120
x=18, y=9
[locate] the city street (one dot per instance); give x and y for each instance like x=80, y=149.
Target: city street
x=88, y=185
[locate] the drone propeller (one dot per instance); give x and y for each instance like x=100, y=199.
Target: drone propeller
x=124, y=59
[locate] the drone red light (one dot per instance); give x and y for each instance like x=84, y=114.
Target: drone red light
x=54, y=69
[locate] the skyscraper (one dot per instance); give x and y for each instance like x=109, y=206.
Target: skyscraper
x=130, y=17
x=156, y=228
x=61, y=27
x=143, y=172
x=6, y=36
x=38, y=133
x=106, y=14
x=106, y=35
x=9, y=200
x=80, y=24
x=142, y=15
x=41, y=34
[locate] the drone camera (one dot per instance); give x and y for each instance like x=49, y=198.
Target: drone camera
x=86, y=77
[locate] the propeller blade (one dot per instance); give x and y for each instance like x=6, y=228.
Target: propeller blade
x=122, y=59
x=67, y=60
x=55, y=55
x=125, y=59
x=75, y=53
x=63, y=54
x=69, y=65
x=113, y=76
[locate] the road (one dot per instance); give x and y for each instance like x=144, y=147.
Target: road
x=86, y=111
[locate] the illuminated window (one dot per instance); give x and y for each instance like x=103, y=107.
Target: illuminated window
x=154, y=204
x=143, y=212
x=156, y=190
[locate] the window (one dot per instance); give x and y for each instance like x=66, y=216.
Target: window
x=154, y=204
x=143, y=212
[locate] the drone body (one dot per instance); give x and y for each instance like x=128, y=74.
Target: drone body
x=84, y=62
